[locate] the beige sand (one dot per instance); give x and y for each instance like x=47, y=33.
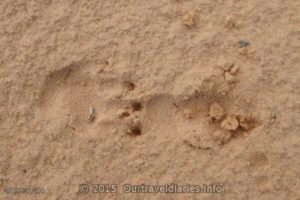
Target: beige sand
x=150, y=92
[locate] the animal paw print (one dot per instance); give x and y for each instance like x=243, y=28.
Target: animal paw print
x=229, y=125
x=129, y=109
x=130, y=113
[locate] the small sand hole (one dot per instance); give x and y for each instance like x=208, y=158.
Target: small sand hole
x=134, y=128
x=136, y=106
x=129, y=85
x=134, y=131
x=123, y=114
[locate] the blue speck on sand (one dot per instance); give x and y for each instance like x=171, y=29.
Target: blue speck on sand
x=243, y=43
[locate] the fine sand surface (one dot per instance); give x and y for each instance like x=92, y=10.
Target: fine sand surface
x=150, y=92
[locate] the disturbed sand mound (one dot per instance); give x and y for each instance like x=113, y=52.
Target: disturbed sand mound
x=68, y=92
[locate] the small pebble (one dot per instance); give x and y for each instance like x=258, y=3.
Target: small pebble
x=230, y=123
x=91, y=114
x=189, y=19
x=243, y=43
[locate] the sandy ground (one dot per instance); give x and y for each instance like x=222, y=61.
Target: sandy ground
x=150, y=92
